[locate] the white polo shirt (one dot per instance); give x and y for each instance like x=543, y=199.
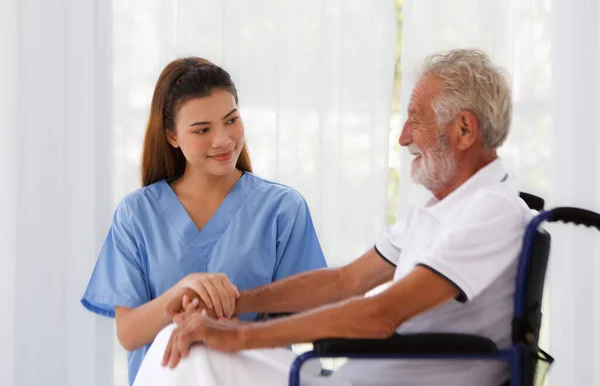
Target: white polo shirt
x=472, y=238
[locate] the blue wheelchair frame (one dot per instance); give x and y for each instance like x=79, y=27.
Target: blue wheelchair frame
x=521, y=356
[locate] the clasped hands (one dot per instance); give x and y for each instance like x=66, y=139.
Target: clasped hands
x=203, y=311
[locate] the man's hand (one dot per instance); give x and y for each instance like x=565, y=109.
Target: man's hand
x=197, y=327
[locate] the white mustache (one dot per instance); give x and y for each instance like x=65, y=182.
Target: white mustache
x=414, y=149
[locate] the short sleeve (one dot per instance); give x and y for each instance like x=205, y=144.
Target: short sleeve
x=118, y=278
x=479, y=245
x=390, y=242
x=298, y=248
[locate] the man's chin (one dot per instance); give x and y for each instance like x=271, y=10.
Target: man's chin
x=416, y=174
x=422, y=180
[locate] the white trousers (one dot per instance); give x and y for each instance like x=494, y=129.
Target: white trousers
x=208, y=367
x=270, y=367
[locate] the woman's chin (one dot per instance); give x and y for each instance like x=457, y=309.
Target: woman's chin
x=222, y=170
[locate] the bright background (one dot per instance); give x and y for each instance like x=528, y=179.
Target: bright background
x=323, y=88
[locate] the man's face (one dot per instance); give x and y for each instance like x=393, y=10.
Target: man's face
x=434, y=164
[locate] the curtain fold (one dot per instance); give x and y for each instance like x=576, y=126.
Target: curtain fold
x=517, y=36
x=575, y=267
x=56, y=201
x=8, y=193
x=315, y=84
x=551, y=50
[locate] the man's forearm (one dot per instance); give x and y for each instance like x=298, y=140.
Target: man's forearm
x=358, y=317
x=296, y=293
x=374, y=317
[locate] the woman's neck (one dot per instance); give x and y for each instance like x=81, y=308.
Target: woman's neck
x=204, y=186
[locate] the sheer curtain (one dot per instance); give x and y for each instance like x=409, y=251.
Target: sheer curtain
x=551, y=50
x=575, y=275
x=55, y=199
x=315, y=83
x=517, y=35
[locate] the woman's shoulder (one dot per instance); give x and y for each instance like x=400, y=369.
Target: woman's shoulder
x=142, y=200
x=271, y=190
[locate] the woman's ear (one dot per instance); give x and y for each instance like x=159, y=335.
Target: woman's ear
x=171, y=138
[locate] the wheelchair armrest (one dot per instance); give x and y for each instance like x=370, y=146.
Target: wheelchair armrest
x=408, y=344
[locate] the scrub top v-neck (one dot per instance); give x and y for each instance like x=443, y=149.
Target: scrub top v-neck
x=261, y=232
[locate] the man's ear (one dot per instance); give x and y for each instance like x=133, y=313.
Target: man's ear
x=171, y=138
x=468, y=129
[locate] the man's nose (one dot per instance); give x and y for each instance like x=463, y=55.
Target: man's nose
x=405, y=138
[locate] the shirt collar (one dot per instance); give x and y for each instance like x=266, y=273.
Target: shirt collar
x=447, y=208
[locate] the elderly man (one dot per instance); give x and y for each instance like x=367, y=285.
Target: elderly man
x=452, y=260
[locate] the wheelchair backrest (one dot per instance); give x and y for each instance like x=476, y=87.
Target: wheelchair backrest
x=526, y=329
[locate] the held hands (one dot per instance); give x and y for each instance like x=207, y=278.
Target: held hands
x=215, y=296
x=213, y=292
x=195, y=327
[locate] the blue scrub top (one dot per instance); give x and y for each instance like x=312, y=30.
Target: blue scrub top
x=262, y=232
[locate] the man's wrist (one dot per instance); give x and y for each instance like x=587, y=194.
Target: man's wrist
x=243, y=303
x=245, y=336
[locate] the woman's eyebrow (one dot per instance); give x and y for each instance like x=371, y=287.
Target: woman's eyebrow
x=208, y=122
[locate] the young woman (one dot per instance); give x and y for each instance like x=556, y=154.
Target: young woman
x=202, y=220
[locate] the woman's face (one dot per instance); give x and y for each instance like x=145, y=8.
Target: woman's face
x=210, y=133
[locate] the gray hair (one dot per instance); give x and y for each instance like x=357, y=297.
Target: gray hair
x=470, y=81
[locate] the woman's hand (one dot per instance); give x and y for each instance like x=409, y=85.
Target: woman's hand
x=213, y=289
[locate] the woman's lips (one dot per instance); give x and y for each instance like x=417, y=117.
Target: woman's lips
x=223, y=156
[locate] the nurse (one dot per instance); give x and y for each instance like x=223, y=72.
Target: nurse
x=201, y=221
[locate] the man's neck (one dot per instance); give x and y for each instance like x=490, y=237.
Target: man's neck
x=463, y=173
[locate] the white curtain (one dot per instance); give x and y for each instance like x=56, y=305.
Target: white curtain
x=315, y=84
x=517, y=35
x=55, y=199
x=575, y=275
x=552, y=51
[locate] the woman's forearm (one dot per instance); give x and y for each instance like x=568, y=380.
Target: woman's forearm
x=139, y=326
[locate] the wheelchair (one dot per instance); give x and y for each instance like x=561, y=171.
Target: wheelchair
x=524, y=356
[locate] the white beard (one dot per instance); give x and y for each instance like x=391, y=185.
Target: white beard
x=436, y=168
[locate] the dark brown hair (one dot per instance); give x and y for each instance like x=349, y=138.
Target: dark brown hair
x=182, y=80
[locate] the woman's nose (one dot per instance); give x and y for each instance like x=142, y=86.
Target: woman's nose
x=221, y=139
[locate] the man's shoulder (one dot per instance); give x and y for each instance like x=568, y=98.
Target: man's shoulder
x=500, y=196
x=493, y=202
